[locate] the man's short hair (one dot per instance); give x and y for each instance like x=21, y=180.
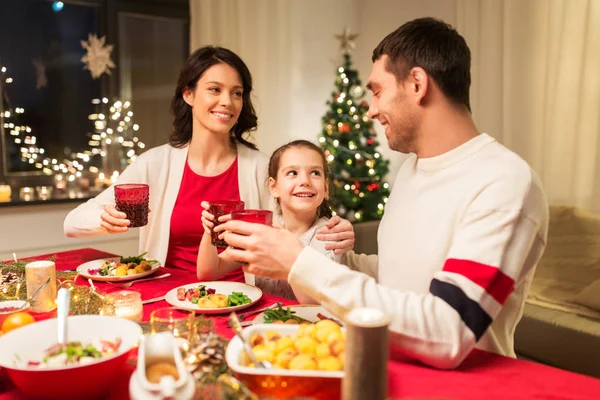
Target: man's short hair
x=434, y=46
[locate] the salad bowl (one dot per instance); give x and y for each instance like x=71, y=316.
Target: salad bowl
x=22, y=349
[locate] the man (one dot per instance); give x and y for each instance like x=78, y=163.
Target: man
x=463, y=229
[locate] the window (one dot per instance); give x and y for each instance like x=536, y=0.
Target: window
x=46, y=109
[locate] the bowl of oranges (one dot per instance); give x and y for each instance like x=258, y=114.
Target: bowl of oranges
x=15, y=312
x=308, y=359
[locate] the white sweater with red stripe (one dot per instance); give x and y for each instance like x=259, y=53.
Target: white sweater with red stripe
x=458, y=244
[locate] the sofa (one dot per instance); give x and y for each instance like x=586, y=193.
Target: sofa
x=561, y=319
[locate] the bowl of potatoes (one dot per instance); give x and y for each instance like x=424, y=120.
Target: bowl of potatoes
x=308, y=359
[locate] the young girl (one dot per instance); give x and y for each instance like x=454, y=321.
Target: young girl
x=299, y=183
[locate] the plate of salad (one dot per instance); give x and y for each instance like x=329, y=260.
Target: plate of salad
x=118, y=269
x=299, y=314
x=217, y=297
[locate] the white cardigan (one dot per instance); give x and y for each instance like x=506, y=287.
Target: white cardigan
x=162, y=169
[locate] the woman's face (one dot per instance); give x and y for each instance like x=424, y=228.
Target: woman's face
x=217, y=99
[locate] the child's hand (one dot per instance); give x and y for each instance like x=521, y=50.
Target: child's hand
x=207, y=218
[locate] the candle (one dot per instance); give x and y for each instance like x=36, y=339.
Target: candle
x=5, y=192
x=44, y=192
x=367, y=351
x=127, y=304
x=60, y=182
x=26, y=193
x=36, y=274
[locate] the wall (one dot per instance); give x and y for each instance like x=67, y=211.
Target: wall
x=377, y=19
x=34, y=230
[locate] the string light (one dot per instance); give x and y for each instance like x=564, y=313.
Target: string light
x=120, y=114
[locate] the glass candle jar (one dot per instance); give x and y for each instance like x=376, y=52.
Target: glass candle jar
x=127, y=304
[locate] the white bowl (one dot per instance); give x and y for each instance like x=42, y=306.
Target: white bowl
x=72, y=382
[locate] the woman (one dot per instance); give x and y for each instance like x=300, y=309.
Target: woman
x=207, y=158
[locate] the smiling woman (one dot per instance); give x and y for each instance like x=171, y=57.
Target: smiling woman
x=208, y=157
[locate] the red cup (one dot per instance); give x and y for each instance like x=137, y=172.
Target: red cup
x=264, y=217
x=133, y=199
x=218, y=209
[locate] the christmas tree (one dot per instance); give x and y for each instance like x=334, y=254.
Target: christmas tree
x=350, y=143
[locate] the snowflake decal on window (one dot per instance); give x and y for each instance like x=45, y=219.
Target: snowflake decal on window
x=97, y=60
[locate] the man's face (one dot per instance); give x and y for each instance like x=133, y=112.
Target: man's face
x=391, y=105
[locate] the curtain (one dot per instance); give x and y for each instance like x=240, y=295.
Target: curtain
x=536, y=87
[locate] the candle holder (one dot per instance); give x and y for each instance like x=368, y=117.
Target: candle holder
x=26, y=193
x=127, y=304
x=36, y=274
x=5, y=193
x=44, y=192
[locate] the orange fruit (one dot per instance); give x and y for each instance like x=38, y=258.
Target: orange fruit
x=16, y=320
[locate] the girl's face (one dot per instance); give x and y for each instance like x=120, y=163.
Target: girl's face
x=217, y=99
x=301, y=185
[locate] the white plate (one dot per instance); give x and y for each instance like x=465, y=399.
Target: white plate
x=95, y=264
x=221, y=287
x=307, y=312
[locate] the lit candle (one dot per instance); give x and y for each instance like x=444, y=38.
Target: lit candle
x=5, y=193
x=44, y=192
x=36, y=274
x=26, y=193
x=127, y=304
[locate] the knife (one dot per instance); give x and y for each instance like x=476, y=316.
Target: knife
x=153, y=300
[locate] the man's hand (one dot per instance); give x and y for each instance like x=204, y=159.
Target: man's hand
x=114, y=221
x=340, y=232
x=265, y=250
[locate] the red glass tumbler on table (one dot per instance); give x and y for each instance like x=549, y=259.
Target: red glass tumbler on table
x=218, y=209
x=133, y=199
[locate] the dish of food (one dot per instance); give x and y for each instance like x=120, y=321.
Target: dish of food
x=213, y=297
x=306, y=350
x=294, y=315
x=118, y=269
x=73, y=353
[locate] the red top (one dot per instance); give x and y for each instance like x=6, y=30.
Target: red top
x=186, y=225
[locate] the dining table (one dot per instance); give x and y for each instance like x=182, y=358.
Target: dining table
x=482, y=375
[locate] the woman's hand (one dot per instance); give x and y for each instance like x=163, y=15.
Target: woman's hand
x=114, y=221
x=340, y=233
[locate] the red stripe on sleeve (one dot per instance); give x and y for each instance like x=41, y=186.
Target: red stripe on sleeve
x=494, y=281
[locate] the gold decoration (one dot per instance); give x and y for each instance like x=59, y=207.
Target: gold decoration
x=347, y=40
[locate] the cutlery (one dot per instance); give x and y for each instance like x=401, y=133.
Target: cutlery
x=153, y=300
x=242, y=316
x=237, y=328
x=30, y=299
x=128, y=284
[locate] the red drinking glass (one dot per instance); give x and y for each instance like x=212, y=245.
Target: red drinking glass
x=133, y=199
x=218, y=209
x=264, y=217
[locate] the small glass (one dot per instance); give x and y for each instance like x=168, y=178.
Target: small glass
x=36, y=274
x=264, y=217
x=133, y=199
x=26, y=193
x=186, y=327
x=127, y=304
x=218, y=209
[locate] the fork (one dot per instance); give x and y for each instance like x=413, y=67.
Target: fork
x=128, y=284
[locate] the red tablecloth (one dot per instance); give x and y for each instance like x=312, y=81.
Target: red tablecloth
x=483, y=375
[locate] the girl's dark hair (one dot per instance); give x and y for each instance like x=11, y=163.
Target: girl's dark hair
x=201, y=60
x=324, y=209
